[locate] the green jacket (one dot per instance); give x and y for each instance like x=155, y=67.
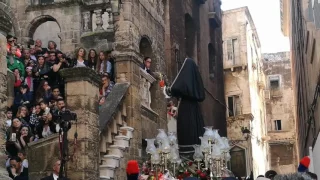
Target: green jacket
x=16, y=65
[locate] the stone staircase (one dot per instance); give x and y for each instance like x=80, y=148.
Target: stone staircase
x=115, y=134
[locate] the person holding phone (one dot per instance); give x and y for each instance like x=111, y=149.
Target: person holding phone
x=12, y=145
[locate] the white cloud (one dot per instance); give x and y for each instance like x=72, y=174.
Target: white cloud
x=266, y=16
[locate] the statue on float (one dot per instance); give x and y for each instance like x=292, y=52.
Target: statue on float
x=188, y=87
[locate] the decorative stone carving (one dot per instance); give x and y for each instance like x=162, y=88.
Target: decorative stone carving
x=99, y=21
x=145, y=84
x=161, y=7
x=86, y=21
x=110, y=20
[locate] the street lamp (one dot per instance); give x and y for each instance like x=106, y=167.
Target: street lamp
x=245, y=132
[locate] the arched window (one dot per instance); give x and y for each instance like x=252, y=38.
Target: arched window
x=146, y=50
x=47, y=29
x=212, y=60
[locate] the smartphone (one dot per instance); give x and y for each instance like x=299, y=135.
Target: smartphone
x=14, y=137
x=47, y=111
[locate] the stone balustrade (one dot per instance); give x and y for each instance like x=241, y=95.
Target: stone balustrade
x=97, y=20
x=146, y=80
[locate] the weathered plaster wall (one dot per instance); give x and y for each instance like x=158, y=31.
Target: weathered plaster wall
x=280, y=108
x=243, y=77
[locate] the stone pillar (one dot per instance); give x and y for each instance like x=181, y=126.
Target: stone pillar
x=82, y=90
x=128, y=70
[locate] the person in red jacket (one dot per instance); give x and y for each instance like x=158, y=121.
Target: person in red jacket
x=10, y=43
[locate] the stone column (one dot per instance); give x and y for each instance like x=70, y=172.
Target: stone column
x=82, y=90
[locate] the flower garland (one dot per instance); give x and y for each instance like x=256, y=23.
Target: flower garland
x=183, y=170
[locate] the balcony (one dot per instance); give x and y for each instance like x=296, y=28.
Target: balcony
x=49, y=2
x=273, y=93
x=235, y=67
x=214, y=19
x=146, y=81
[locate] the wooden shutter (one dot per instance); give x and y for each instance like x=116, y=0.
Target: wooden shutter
x=236, y=51
x=229, y=49
x=237, y=105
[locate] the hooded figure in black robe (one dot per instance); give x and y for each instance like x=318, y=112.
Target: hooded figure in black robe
x=188, y=86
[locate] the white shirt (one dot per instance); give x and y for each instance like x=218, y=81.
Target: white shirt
x=25, y=163
x=55, y=177
x=80, y=64
x=8, y=123
x=46, y=132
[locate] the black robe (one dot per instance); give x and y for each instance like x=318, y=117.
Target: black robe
x=189, y=87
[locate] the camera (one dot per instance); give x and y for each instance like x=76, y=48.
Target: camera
x=64, y=116
x=67, y=115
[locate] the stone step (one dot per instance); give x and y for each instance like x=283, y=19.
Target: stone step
x=107, y=171
x=121, y=137
x=121, y=142
x=105, y=178
x=126, y=131
x=112, y=160
x=116, y=150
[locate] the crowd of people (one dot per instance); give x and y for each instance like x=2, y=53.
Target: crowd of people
x=39, y=93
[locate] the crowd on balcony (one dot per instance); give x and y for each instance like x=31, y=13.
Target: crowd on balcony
x=39, y=93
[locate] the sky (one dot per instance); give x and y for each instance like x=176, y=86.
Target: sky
x=266, y=17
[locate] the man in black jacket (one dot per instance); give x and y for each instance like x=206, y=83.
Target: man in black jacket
x=17, y=171
x=55, y=173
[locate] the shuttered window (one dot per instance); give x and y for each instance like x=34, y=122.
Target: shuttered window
x=230, y=49
x=233, y=50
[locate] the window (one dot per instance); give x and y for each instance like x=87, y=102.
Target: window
x=212, y=62
x=277, y=125
x=274, y=82
x=234, y=106
x=233, y=50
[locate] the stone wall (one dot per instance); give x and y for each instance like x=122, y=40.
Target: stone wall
x=5, y=27
x=140, y=20
x=66, y=14
x=47, y=147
